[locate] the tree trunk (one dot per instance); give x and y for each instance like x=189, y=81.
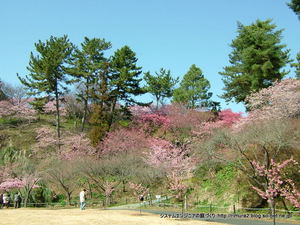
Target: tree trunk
x=150, y=200
x=284, y=205
x=273, y=210
x=123, y=184
x=86, y=99
x=25, y=200
x=157, y=102
x=90, y=190
x=84, y=115
x=57, y=116
x=185, y=202
x=107, y=201
x=26, y=196
x=111, y=116
x=69, y=198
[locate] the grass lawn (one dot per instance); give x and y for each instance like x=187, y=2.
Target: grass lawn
x=87, y=217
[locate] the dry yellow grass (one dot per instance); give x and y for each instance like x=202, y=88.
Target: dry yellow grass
x=87, y=217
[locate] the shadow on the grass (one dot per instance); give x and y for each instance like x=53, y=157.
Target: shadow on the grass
x=139, y=214
x=183, y=219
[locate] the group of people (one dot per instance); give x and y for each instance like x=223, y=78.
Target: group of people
x=5, y=200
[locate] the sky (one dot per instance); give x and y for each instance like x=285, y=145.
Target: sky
x=170, y=34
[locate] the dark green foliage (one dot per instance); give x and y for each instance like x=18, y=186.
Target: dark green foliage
x=295, y=6
x=125, y=78
x=2, y=94
x=10, y=122
x=39, y=103
x=108, y=83
x=42, y=195
x=87, y=66
x=297, y=66
x=10, y=154
x=193, y=90
x=47, y=70
x=217, y=182
x=214, y=106
x=161, y=85
x=257, y=59
x=99, y=121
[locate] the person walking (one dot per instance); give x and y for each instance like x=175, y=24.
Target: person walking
x=82, y=199
x=17, y=200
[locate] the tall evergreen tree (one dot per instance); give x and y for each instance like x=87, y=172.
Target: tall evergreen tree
x=161, y=85
x=193, y=90
x=47, y=70
x=100, y=118
x=257, y=59
x=297, y=66
x=2, y=94
x=124, y=82
x=87, y=65
x=295, y=6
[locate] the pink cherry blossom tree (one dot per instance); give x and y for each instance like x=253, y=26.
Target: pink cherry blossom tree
x=279, y=101
x=72, y=146
x=23, y=175
x=45, y=138
x=75, y=146
x=50, y=108
x=25, y=183
x=225, y=119
x=275, y=184
x=124, y=140
x=172, y=159
x=178, y=188
x=181, y=117
x=30, y=178
x=138, y=111
x=11, y=183
x=17, y=108
x=109, y=188
x=152, y=121
x=138, y=190
x=176, y=162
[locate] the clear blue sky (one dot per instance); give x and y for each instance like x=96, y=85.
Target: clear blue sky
x=173, y=34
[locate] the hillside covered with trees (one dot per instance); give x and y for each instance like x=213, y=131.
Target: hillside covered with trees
x=76, y=123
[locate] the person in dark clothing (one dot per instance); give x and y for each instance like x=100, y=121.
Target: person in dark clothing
x=1, y=201
x=17, y=200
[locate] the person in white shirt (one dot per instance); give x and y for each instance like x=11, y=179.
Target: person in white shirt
x=6, y=200
x=82, y=199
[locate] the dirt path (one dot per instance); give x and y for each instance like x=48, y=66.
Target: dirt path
x=87, y=217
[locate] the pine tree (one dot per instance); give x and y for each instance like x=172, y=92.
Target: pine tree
x=124, y=81
x=257, y=59
x=86, y=66
x=47, y=71
x=161, y=85
x=297, y=66
x=2, y=94
x=295, y=6
x=193, y=90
